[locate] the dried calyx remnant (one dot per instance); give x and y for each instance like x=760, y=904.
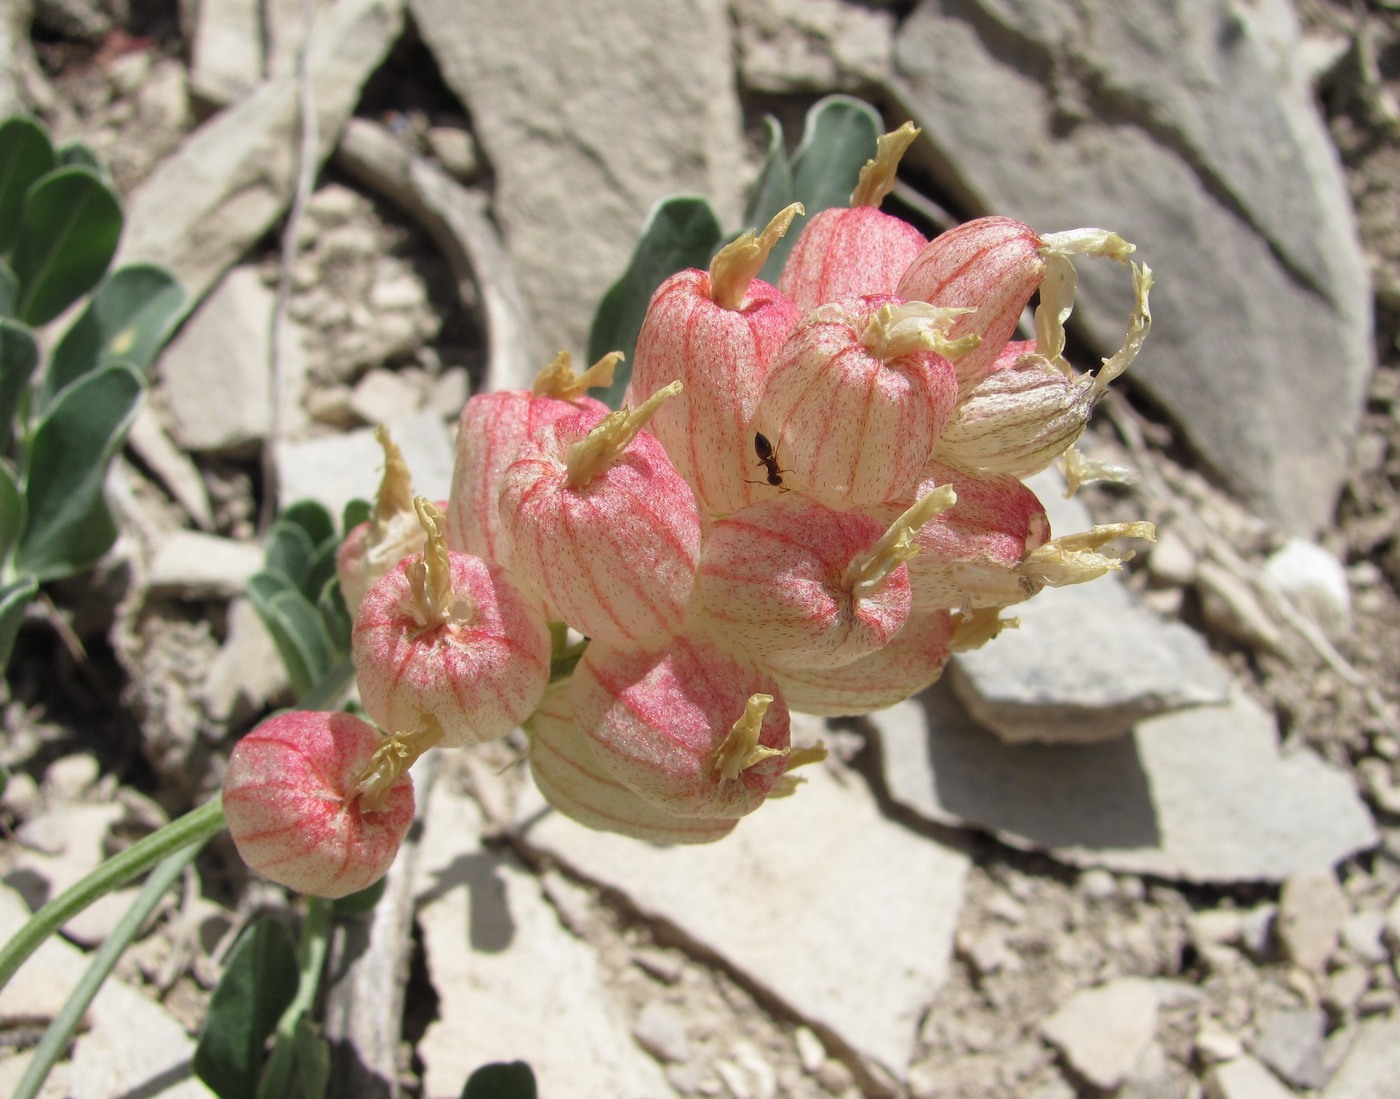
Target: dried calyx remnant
x=812, y=498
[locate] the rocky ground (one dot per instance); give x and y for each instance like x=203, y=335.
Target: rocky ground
x=1145, y=846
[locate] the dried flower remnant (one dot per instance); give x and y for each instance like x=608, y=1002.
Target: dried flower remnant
x=296, y=808
x=390, y=533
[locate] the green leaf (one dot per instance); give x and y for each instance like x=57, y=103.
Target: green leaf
x=839, y=136
x=320, y=570
x=296, y=627
x=313, y=1061
x=289, y=552
x=128, y=320
x=14, y=597
x=69, y=525
x=335, y=615
x=19, y=355
x=74, y=154
x=11, y=510
x=359, y=904
x=68, y=233
x=257, y=986
x=681, y=232
x=503, y=1080
x=9, y=290
x=357, y=511
x=25, y=156
x=312, y=518
x=773, y=190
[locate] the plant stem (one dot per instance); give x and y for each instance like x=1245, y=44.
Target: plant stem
x=61, y=1029
x=191, y=830
x=315, y=941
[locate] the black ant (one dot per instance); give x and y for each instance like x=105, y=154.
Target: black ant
x=768, y=459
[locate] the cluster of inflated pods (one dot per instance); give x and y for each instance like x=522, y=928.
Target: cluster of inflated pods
x=810, y=500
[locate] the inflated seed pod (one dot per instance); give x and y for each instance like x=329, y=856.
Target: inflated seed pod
x=716, y=332
x=599, y=523
x=490, y=430
x=913, y=660
x=574, y=781
x=447, y=642
x=796, y=584
x=683, y=724
x=991, y=265
x=971, y=554
x=851, y=251
x=295, y=809
x=857, y=397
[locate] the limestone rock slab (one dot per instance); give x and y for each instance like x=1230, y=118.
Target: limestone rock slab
x=1189, y=127
x=201, y=209
x=839, y=913
x=335, y=469
x=132, y=1046
x=513, y=984
x=1199, y=795
x=214, y=379
x=1088, y=661
x=588, y=112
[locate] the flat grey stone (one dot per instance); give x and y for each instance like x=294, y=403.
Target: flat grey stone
x=226, y=56
x=1189, y=127
x=588, y=112
x=335, y=469
x=1292, y=1043
x=811, y=45
x=131, y=1045
x=1244, y=1078
x=202, y=566
x=214, y=379
x=1312, y=909
x=201, y=210
x=1199, y=795
x=1372, y=1063
x=845, y=917
x=512, y=982
x=1102, y=1031
x=1088, y=661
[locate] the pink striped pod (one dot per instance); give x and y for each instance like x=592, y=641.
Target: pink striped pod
x=991, y=265
x=293, y=809
x=969, y=555
x=785, y=581
x=490, y=431
x=599, y=523
x=449, y=642
x=857, y=397
x=715, y=331
x=572, y=778
x=848, y=252
x=912, y=661
x=683, y=724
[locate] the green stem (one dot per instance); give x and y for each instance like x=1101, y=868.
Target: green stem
x=60, y=1030
x=315, y=941
x=192, y=829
